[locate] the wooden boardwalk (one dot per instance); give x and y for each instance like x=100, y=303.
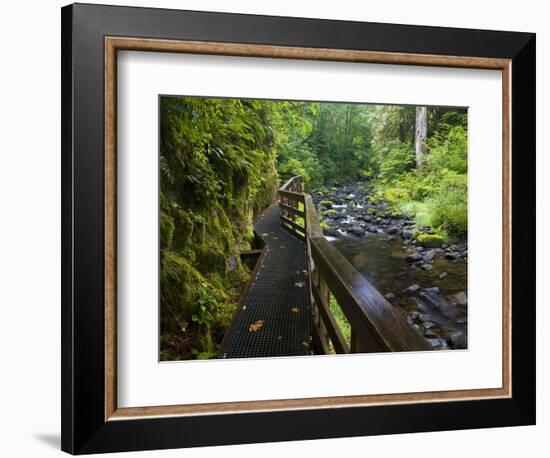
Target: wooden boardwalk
x=275, y=319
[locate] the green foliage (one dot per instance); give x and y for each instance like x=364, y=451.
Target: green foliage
x=450, y=212
x=217, y=171
x=341, y=320
x=324, y=142
x=435, y=194
x=397, y=157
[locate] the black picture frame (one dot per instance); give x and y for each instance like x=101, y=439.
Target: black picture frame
x=84, y=428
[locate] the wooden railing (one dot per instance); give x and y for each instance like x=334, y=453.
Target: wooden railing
x=376, y=325
x=292, y=204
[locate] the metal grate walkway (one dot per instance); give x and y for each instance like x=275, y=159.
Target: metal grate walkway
x=275, y=318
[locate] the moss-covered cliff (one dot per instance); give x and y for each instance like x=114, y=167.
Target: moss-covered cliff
x=217, y=163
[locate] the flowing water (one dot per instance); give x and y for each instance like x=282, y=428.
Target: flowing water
x=433, y=301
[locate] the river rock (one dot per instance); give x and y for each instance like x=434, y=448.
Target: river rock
x=406, y=234
x=393, y=230
x=412, y=289
x=432, y=290
x=450, y=255
x=413, y=257
x=424, y=317
x=331, y=232
x=356, y=230
x=428, y=324
x=460, y=298
x=389, y=296
x=427, y=267
x=430, y=333
x=443, y=275
x=462, y=248
x=438, y=342
x=458, y=340
x=429, y=255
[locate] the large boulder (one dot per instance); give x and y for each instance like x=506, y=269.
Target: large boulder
x=430, y=240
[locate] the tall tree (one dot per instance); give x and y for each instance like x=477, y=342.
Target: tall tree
x=421, y=135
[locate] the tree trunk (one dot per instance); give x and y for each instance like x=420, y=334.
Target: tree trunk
x=421, y=135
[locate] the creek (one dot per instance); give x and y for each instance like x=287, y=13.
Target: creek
x=427, y=284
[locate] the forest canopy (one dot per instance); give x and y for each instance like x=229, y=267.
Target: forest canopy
x=219, y=165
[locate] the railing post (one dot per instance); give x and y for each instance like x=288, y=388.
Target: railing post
x=325, y=295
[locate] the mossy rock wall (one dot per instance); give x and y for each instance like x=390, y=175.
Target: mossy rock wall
x=217, y=173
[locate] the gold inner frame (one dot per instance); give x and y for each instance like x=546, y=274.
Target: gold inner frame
x=114, y=44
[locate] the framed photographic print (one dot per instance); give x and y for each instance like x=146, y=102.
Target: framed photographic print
x=281, y=228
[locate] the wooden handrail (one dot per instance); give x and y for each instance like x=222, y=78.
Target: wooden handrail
x=376, y=325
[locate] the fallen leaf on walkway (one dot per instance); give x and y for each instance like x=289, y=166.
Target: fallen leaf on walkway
x=265, y=234
x=256, y=326
x=299, y=284
x=279, y=337
x=282, y=246
x=294, y=309
x=305, y=344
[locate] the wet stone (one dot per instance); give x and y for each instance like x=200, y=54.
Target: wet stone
x=413, y=257
x=460, y=298
x=406, y=234
x=438, y=342
x=429, y=255
x=432, y=290
x=430, y=333
x=412, y=289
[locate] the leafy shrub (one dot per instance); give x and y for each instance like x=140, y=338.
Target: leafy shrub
x=449, y=211
x=397, y=159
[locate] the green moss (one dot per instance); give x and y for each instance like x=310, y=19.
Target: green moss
x=217, y=172
x=167, y=228
x=183, y=229
x=330, y=211
x=394, y=212
x=211, y=259
x=350, y=197
x=430, y=240
x=325, y=203
x=325, y=226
